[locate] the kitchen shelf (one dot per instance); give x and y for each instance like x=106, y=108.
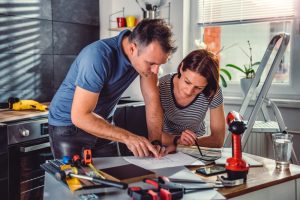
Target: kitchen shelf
x=121, y=29
x=112, y=17
x=121, y=13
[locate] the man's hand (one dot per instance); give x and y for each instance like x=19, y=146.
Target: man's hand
x=165, y=150
x=187, y=138
x=162, y=150
x=141, y=147
x=170, y=149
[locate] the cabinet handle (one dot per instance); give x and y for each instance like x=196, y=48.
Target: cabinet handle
x=35, y=147
x=138, y=104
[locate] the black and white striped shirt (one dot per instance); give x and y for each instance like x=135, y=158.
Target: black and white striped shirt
x=178, y=118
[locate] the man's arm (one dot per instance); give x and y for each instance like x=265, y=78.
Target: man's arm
x=83, y=117
x=154, y=113
x=217, y=128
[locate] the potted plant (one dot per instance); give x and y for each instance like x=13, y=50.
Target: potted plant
x=223, y=74
x=247, y=69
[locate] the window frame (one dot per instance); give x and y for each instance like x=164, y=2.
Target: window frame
x=278, y=91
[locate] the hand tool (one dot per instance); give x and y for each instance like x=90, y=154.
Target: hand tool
x=77, y=163
x=53, y=167
x=87, y=160
x=236, y=167
x=179, y=180
x=172, y=191
x=17, y=104
x=67, y=172
x=230, y=183
x=166, y=192
x=165, y=183
x=72, y=182
x=137, y=193
x=87, y=156
x=216, y=183
x=164, y=189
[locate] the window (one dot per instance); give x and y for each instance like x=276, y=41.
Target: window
x=225, y=26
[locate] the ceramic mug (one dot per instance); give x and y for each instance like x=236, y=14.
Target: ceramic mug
x=121, y=22
x=130, y=21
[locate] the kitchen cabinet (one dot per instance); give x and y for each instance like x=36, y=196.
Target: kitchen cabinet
x=3, y=163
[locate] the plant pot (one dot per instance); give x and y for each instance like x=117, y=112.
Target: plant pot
x=245, y=85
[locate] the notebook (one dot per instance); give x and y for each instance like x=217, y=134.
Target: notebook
x=127, y=173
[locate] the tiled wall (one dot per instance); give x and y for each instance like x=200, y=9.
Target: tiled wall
x=39, y=40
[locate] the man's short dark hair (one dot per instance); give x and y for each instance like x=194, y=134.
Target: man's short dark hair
x=149, y=30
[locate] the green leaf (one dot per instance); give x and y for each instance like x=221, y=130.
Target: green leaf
x=225, y=72
x=256, y=63
x=236, y=67
x=224, y=84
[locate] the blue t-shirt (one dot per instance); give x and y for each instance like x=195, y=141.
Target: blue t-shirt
x=101, y=67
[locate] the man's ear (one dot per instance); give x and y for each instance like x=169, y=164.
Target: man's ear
x=132, y=48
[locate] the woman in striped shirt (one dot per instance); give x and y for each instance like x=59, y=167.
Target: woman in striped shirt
x=187, y=95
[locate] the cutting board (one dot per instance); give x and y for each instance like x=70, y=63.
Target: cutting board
x=7, y=115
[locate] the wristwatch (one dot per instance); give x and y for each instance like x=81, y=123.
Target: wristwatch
x=175, y=140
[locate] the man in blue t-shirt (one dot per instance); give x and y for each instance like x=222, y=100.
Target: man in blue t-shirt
x=81, y=108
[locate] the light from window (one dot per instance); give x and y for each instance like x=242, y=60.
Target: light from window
x=231, y=41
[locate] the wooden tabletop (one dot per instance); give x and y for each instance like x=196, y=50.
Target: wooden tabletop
x=7, y=115
x=260, y=177
x=11, y=115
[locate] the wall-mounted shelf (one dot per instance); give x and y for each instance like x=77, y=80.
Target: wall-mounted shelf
x=120, y=13
x=121, y=29
x=111, y=20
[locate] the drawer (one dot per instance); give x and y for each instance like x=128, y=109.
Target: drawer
x=3, y=139
x=4, y=189
x=3, y=165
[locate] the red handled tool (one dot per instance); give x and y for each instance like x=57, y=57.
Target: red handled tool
x=87, y=156
x=236, y=167
x=77, y=163
x=87, y=161
x=164, y=189
x=137, y=193
x=166, y=192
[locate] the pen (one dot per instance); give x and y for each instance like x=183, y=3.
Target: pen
x=196, y=142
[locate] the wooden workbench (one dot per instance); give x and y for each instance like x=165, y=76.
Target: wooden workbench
x=267, y=182
x=263, y=183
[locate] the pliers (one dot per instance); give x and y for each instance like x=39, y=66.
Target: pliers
x=164, y=189
x=157, y=193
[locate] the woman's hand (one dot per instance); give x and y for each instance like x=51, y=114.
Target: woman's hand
x=187, y=138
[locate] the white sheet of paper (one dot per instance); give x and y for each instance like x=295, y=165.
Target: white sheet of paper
x=170, y=160
x=205, y=194
x=227, y=153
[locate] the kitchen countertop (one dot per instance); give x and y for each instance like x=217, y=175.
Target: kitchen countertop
x=11, y=115
x=7, y=115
